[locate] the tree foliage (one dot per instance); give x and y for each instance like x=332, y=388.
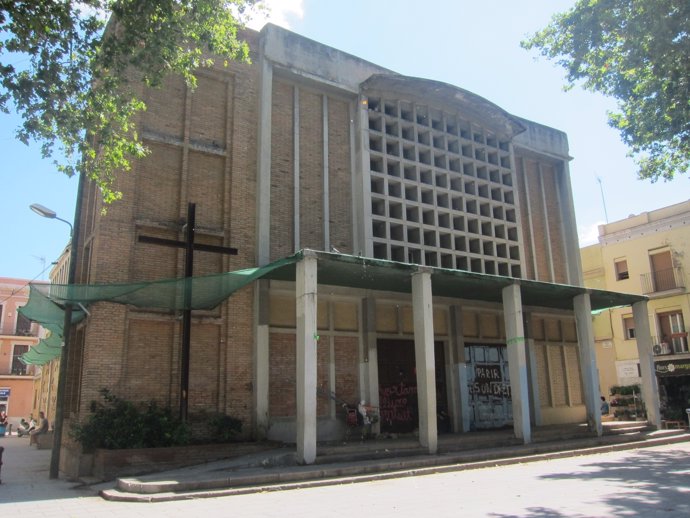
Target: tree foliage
x=73, y=76
x=638, y=52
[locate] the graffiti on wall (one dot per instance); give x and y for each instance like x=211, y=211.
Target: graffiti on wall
x=397, y=402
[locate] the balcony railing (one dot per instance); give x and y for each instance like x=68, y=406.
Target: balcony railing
x=677, y=343
x=662, y=280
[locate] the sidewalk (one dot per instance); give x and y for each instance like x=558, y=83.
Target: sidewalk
x=24, y=472
x=374, y=460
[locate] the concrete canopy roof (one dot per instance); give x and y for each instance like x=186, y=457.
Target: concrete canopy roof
x=382, y=275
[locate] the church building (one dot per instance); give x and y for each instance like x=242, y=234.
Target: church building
x=412, y=246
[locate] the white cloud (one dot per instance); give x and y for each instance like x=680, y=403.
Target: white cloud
x=278, y=12
x=589, y=235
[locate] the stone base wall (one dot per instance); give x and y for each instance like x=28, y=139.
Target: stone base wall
x=111, y=464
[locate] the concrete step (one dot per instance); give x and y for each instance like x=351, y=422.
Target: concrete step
x=218, y=480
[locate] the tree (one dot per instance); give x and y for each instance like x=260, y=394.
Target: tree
x=638, y=52
x=73, y=76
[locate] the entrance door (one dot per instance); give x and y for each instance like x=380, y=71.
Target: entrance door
x=489, y=386
x=398, y=410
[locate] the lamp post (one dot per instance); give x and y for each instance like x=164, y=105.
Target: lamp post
x=50, y=214
x=66, y=332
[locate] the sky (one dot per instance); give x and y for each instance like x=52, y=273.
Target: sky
x=469, y=44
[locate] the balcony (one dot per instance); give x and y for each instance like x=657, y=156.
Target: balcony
x=662, y=280
x=677, y=343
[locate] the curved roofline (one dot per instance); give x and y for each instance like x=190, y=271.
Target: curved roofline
x=471, y=105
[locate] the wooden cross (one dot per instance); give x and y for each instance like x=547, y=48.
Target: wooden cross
x=189, y=246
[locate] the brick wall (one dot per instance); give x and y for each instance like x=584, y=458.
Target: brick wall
x=282, y=171
x=311, y=169
x=545, y=231
x=203, y=150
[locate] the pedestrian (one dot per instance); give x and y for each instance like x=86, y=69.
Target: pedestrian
x=41, y=428
x=604, y=406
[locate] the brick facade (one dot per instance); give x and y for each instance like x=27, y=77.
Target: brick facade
x=453, y=192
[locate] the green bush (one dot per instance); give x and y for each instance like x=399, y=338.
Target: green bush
x=119, y=424
x=625, y=390
x=224, y=428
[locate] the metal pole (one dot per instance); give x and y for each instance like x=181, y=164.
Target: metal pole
x=187, y=312
x=67, y=337
x=603, y=200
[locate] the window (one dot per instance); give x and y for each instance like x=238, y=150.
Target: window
x=23, y=325
x=629, y=328
x=621, y=266
x=662, y=271
x=19, y=368
x=672, y=331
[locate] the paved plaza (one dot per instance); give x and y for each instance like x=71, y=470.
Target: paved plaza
x=647, y=482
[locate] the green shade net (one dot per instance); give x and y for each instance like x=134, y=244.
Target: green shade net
x=47, y=301
x=46, y=350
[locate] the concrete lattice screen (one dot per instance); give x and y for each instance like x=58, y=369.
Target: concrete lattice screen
x=442, y=190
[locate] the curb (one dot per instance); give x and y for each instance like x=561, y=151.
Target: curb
x=131, y=490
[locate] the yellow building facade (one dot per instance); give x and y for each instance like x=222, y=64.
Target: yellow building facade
x=647, y=254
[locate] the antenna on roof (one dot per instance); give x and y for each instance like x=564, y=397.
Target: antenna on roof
x=603, y=200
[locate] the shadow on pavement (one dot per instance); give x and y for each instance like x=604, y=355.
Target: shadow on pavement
x=652, y=483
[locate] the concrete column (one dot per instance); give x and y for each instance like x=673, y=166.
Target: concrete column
x=458, y=401
x=261, y=359
x=362, y=233
x=650, y=387
x=572, y=245
x=533, y=373
x=588, y=361
x=306, y=359
x=296, y=170
x=369, y=386
x=547, y=227
x=326, y=198
x=263, y=164
x=423, y=317
x=465, y=409
x=517, y=361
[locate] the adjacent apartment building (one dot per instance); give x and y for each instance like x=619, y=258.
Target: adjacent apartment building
x=17, y=336
x=648, y=254
x=410, y=243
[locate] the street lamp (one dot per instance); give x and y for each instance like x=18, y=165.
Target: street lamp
x=50, y=214
x=66, y=332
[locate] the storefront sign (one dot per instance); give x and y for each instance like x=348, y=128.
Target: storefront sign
x=673, y=368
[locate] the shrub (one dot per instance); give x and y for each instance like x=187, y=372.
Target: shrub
x=224, y=428
x=121, y=424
